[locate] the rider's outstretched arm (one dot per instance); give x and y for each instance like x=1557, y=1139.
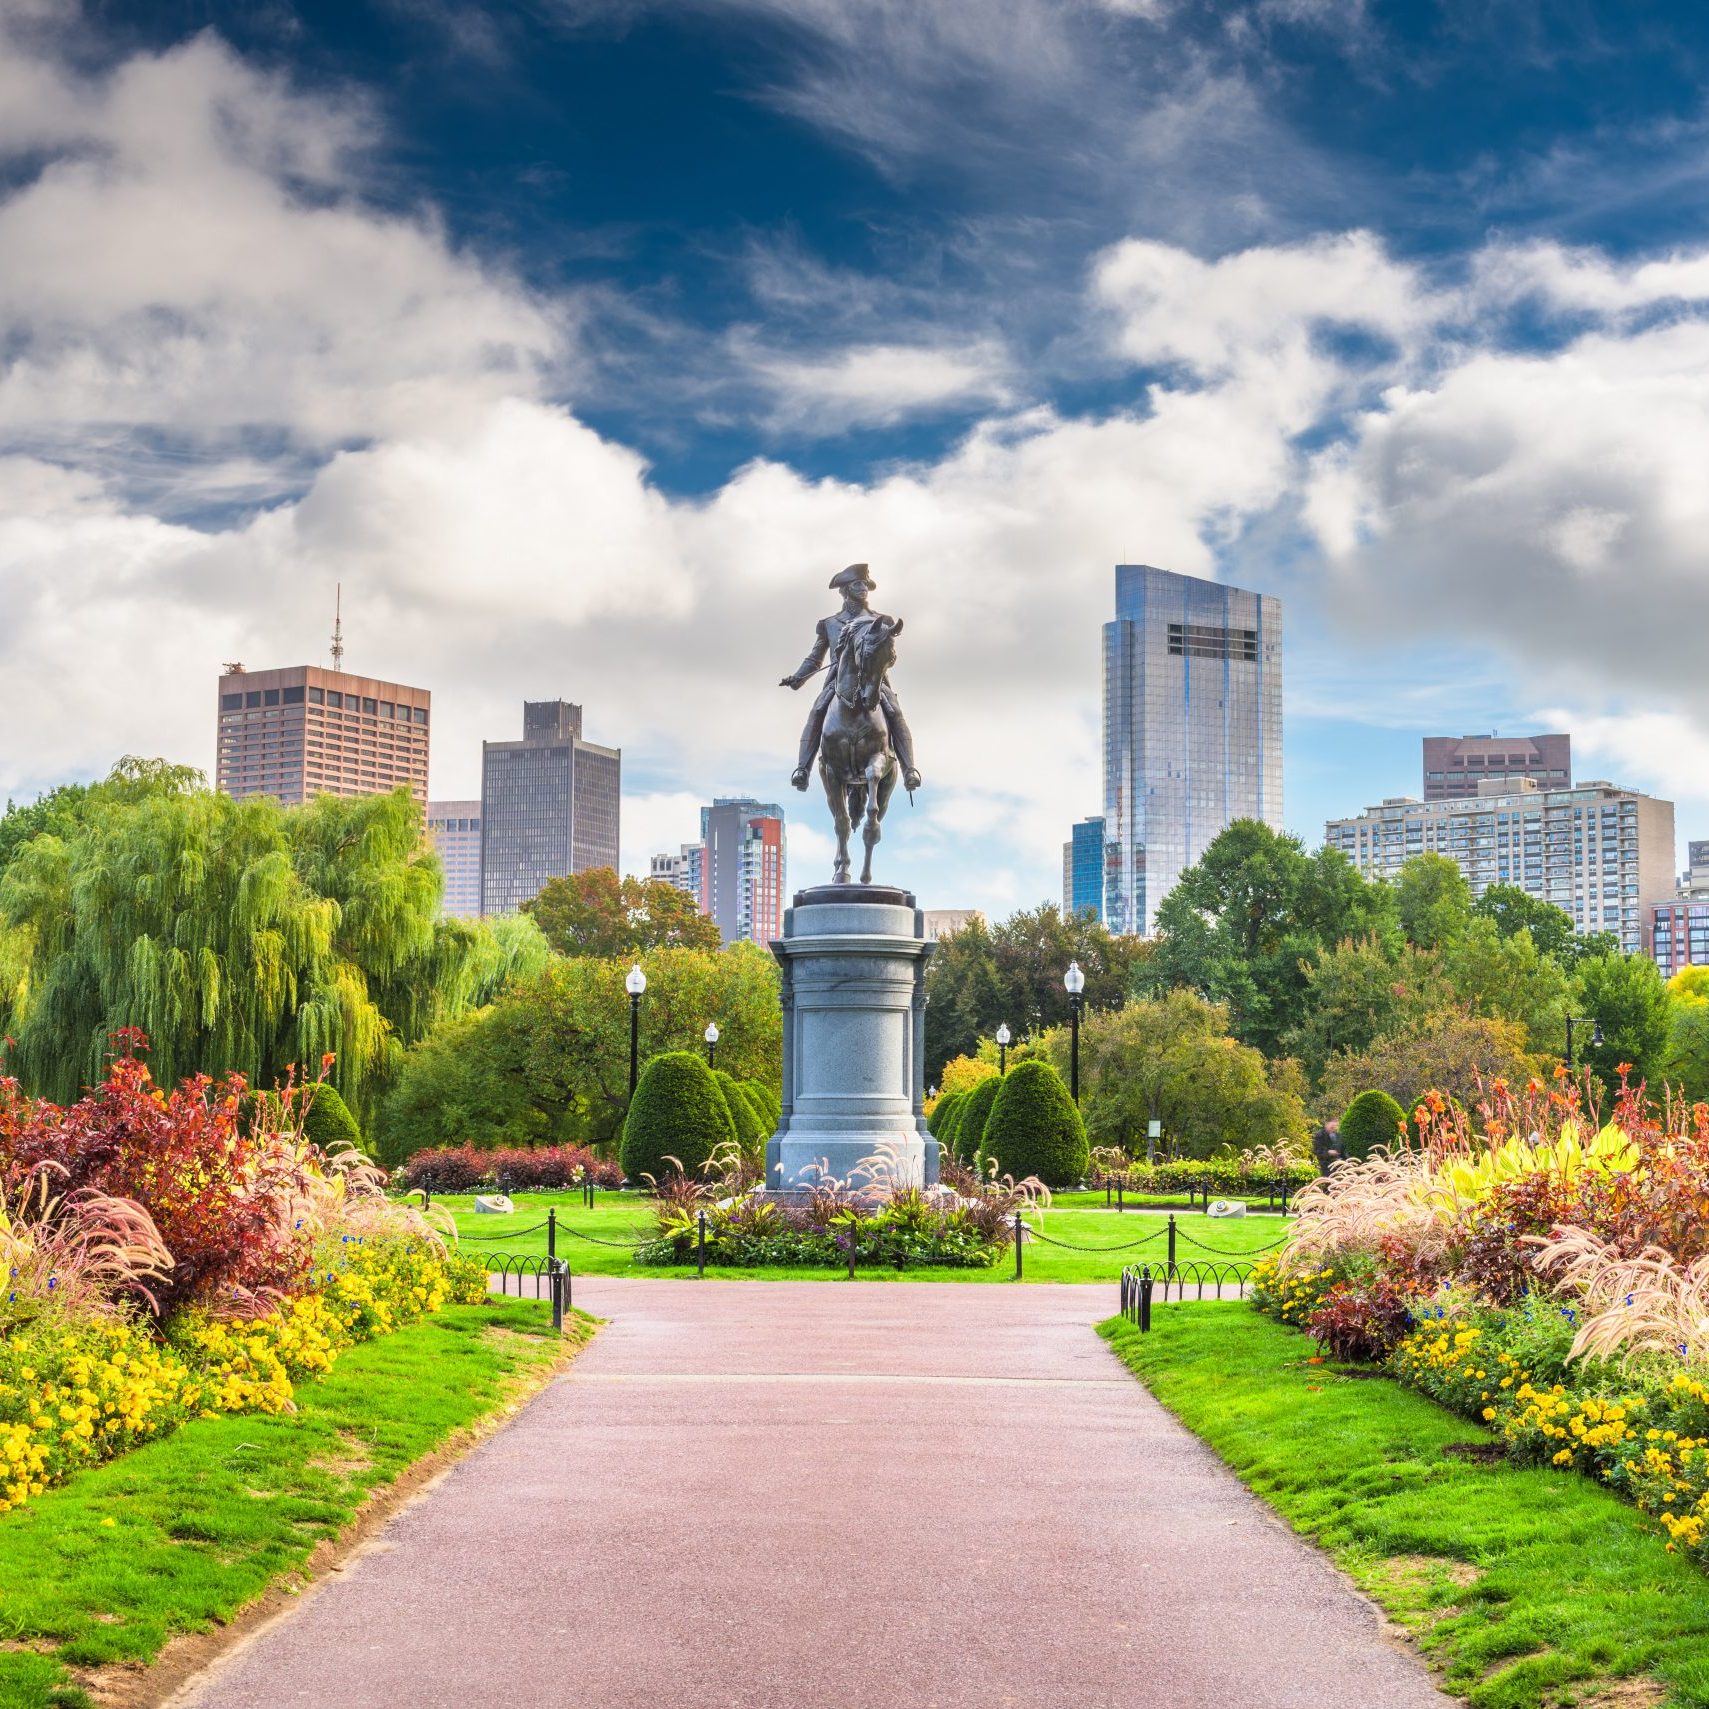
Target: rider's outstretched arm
x=814, y=661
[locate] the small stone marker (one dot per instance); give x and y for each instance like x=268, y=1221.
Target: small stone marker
x=1226, y=1207
x=494, y=1204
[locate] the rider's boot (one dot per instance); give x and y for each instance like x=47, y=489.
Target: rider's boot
x=799, y=776
x=902, y=740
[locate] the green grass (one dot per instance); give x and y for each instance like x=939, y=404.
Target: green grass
x=628, y=1217
x=1525, y=1586
x=184, y=1532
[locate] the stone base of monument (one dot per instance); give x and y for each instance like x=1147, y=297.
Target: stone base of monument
x=854, y=1032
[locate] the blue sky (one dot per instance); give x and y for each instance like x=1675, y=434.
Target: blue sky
x=583, y=340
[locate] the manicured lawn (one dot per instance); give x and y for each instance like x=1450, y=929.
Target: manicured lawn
x=1525, y=1586
x=627, y=1217
x=184, y=1532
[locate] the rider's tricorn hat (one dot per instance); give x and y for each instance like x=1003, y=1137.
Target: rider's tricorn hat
x=856, y=575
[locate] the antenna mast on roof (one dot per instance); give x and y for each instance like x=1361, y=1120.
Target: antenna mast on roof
x=338, y=629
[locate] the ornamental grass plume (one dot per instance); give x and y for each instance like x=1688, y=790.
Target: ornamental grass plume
x=1631, y=1304
x=76, y=1253
x=1363, y=1204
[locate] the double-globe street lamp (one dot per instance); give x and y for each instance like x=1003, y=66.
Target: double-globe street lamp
x=635, y=984
x=1004, y=1036
x=711, y=1036
x=1075, y=980
x=1582, y=1021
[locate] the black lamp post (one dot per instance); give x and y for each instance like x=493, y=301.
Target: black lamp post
x=635, y=984
x=1582, y=1021
x=711, y=1036
x=1075, y=980
x=1003, y=1038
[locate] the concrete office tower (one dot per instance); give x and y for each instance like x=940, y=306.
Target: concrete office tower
x=1192, y=729
x=1083, y=870
x=549, y=806
x=742, y=868
x=455, y=827
x=1595, y=851
x=303, y=731
x=1454, y=766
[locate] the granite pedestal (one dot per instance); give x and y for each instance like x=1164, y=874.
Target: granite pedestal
x=854, y=1032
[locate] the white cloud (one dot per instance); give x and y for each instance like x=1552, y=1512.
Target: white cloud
x=878, y=385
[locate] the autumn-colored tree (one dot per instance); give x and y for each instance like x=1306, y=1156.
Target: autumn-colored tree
x=1447, y=1052
x=599, y=914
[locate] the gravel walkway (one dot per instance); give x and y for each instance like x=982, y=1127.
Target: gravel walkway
x=859, y=1496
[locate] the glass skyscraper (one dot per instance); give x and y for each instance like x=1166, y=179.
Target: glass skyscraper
x=1192, y=729
x=1083, y=870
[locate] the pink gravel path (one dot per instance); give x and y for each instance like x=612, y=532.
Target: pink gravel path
x=779, y=1495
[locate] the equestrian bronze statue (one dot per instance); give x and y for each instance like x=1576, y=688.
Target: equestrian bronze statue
x=856, y=725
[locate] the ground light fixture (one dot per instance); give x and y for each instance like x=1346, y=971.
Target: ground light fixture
x=1075, y=981
x=1004, y=1036
x=711, y=1037
x=635, y=983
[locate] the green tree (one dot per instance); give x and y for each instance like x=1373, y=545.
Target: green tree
x=467, y=1083
x=1172, y=1058
x=599, y=914
x=1551, y=928
x=1688, y=1049
x=1034, y=1128
x=1361, y=990
x=1433, y=901
x=678, y=1120
x=575, y=1016
x=983, y=976
x=1240, y=925
x=751, y=1131
x=1505, y=977
x=1449, y=1052
x=1372, y=1119
x=1627, y=996
x=238, y=935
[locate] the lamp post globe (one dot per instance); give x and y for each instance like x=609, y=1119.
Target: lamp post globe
x=635, y=982
x=711, y=1037
x=1075, y=981
x=1004, y=1038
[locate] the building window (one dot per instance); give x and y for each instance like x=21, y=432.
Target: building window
x=317, y=697
x=231, y=703
x=270, y=697
x=293, y=696
x=252, y=698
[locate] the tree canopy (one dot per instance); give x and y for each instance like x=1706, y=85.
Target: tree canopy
x=237, y=935
x=599, y=914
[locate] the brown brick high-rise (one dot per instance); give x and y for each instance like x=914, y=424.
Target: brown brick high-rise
x=304, y=731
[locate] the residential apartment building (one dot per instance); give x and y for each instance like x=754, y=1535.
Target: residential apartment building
x=681, y=869
x=945, y=922
x=1454, y=766
x=1595, y=851
x=1192, y=729
x=1083, y=870
x=549, y=806
x=1679, y=924
x=455, y=827
x=302, y=731
x=742, y=868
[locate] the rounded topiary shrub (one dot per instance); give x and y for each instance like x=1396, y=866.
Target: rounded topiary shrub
x=328, y=1122
x=678, y=1111
x=975, y=1112
x=767, y=1105
x=1034, y=1128
x=1372, y=1119
x=751, y=1130
x=943, y=1111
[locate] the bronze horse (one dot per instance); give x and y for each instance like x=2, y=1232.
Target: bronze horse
x=856, y=761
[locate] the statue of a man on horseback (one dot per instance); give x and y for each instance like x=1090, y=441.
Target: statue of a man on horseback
x=856, y=725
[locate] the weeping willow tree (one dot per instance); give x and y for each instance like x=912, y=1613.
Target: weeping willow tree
x=238, y=935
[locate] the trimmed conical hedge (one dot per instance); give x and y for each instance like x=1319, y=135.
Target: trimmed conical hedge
x=751, y=1130
x=940, y=1121
x=329, y=1123
x=767, y=1105
x=975, y=1112
x=1034, y=1128
x=678, y=1111
x=1372, y=1119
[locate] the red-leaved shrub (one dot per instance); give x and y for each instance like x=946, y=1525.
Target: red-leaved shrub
x=1363, y=1319
x=222, y=1195
x=464, y=1169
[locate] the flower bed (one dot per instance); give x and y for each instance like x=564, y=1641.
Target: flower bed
x=963, y=1223
x=464, y=1169
x=110, y=1338
x=1536, y=1270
